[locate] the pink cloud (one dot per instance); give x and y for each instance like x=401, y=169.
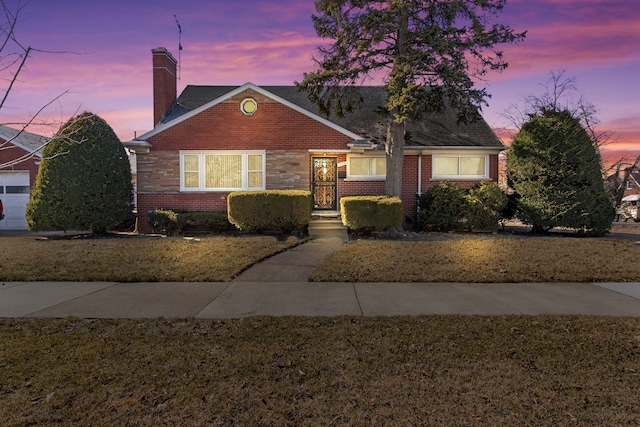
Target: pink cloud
x=274, y=59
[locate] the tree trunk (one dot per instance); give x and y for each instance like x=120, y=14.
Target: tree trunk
x=396, y=131
x=395, y=157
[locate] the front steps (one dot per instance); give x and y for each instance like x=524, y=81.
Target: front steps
x=326, y=225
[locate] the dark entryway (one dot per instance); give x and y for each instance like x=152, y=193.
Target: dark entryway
x=325, y=183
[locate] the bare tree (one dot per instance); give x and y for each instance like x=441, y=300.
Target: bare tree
x=559, y=94
x=13, y=58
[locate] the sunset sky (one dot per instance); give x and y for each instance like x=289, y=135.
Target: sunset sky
x=107, y=64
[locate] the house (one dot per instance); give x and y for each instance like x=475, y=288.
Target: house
x=632, y=186
x=20, y=155
x=212, y=140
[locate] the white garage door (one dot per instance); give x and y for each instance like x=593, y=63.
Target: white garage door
x=14, y=193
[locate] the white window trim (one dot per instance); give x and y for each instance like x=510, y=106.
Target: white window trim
x=201, y=169
x=351, y=177
x=460, y=177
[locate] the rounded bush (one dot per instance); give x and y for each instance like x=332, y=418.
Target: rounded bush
x=442, y=208
x=486, y=202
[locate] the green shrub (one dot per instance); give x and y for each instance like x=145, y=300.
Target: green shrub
x=179, y=222
x=206, y=221
x=369, y=213
x=84, y=181
x=166, y=222
x=270, y=210
x=556, y=169
x=485, y=201
x=442, y=208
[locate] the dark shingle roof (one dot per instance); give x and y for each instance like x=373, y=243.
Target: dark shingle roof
x=440, y=130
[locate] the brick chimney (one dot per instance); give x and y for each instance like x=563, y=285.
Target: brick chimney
x=164, y=82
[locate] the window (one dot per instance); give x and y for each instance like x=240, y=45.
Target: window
x=629, y=185
x=461, y=167
x=222, y=170
x=18, y=189
x=363, y=167
x=248, y=106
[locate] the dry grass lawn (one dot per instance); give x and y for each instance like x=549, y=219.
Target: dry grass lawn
x=431, y=371
x=345, y=371
x=484, y=259
x=447, y=258
x=208, y=259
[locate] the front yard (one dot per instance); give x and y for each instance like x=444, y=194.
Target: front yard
x=343, y=371
x=439, y=257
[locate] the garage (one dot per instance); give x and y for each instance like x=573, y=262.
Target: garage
x=14, y=193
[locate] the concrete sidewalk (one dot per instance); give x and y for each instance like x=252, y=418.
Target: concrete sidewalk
x=278, y=287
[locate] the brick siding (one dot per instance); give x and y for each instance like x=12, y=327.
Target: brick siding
x=10, y=152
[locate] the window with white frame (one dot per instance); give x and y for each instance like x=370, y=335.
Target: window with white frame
x=366, y=167
x=222, y=170
x=460, y=166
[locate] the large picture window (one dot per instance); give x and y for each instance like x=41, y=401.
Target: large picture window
x=366, y=167
x=222, y=170
x=465, y=166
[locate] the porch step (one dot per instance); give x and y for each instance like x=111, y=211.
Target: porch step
x=327, y=227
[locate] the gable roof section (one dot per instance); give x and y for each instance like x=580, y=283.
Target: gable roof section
x=28, y=141
x=196, y=99
x=433, y=131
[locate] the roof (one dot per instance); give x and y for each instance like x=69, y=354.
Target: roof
x=26, y=140
x=436, y=130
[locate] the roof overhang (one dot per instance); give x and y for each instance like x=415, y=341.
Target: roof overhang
x=436, y=150
x=138, y=146
x=362, y=145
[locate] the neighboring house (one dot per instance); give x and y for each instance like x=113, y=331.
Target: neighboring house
x=632, y=185
x=23, y=150
x=212, y=140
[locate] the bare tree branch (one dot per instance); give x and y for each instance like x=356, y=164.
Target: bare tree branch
x=13, y=59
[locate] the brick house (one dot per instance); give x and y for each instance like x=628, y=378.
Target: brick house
x=632, y=186
x=20, y=155
x=212, y=140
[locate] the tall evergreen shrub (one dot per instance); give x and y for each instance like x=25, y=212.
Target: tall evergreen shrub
x=84, y=181
x=555, y=168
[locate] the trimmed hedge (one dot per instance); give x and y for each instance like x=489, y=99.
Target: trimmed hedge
x=270, y=210
x=371, y=213
x=178, y=222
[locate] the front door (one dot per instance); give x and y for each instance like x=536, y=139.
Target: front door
x=325, y=183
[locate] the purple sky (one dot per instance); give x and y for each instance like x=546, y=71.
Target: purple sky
x=270, y=42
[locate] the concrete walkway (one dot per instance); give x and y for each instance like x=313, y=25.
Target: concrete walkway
x=278, y=287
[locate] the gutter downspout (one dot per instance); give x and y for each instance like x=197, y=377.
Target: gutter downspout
x=420, y=174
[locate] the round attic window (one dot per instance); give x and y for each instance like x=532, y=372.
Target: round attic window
x=248, y=106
